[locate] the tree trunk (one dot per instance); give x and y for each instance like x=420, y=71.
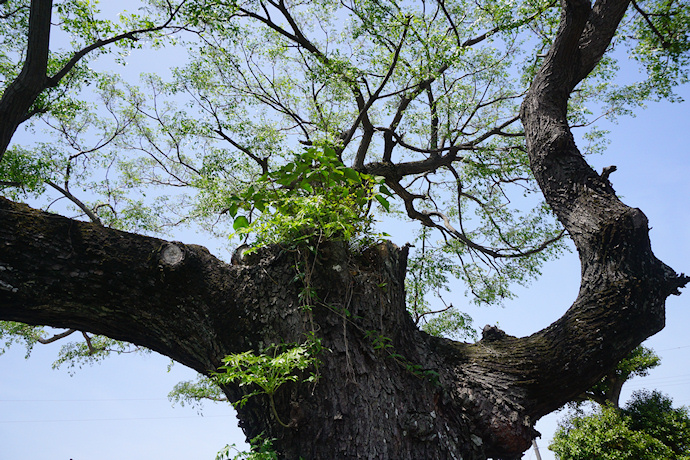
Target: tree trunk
x=182, y=302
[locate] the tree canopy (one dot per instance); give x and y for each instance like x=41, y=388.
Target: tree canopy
x=424, y=95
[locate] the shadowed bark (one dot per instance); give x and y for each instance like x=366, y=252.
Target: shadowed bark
x=20, y=95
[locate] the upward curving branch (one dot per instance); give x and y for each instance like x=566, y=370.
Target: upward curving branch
x=23, y=91
x=624, y=286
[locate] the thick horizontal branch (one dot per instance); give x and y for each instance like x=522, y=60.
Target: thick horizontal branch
x=168, y=297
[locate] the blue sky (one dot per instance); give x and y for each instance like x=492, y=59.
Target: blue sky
x=118, y=409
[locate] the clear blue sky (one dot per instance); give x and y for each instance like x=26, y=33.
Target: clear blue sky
x=118, y=410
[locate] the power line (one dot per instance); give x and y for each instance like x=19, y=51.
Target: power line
x=127, y=419
x=675, y=348
x=84, y=400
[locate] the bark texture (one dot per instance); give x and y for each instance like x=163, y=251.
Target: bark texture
x=20, y=95
x=422, y=397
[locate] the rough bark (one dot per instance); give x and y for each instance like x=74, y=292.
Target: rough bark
x=182, y=302
x=20, y=95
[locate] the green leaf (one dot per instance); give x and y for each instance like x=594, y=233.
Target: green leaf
x=240, y=222
x=260, y=205
x=352, y=175
x=384, y=202
x=383, y=189
x=306, y=186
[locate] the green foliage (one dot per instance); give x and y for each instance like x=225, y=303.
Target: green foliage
x=73, y=354
x=648, y=428
x=261, y=449
x=19, y=333
x=605, y=435
x=93, y=350
x=653, y=412
x=379, y=341
x=427, y=275
x=25, y=169
x=315, y=194
x=193, y=393
x=661, y=45
x=637, y=364
x=424, y=79
x=266, y=372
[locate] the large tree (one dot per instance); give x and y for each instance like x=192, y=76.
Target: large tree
x=384, y=96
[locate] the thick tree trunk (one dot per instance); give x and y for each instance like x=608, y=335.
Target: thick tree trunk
x=182, y=302
x=422, y=397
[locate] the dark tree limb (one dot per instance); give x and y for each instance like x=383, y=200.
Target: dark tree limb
x=56, y=337
x=83, y=276
x=21, y=93
x=624, y=287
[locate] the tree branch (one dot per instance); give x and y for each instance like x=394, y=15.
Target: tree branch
x=94, y=218
x=130, y=35
x=167, y=297
x=262, y=162
x=601, y=26
x=648, y=20
x=624, y=286
x=56, y=337
x=363, y=112
x=22, y=92
x=32, y=81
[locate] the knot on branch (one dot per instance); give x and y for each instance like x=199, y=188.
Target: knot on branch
x=239, y=255
x=172, y=255
x=606, y=172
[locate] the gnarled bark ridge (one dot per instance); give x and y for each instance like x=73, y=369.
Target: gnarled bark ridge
x=421, y=397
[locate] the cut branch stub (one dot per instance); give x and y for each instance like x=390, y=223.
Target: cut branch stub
x=172, y=255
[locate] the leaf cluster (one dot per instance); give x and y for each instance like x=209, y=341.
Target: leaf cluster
x=606, y=391
x=265, y=372
x=648, y=428
x=261, y=449
x=268, y=372
x=315, y=194
x=194, y=392
x=428, y=271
